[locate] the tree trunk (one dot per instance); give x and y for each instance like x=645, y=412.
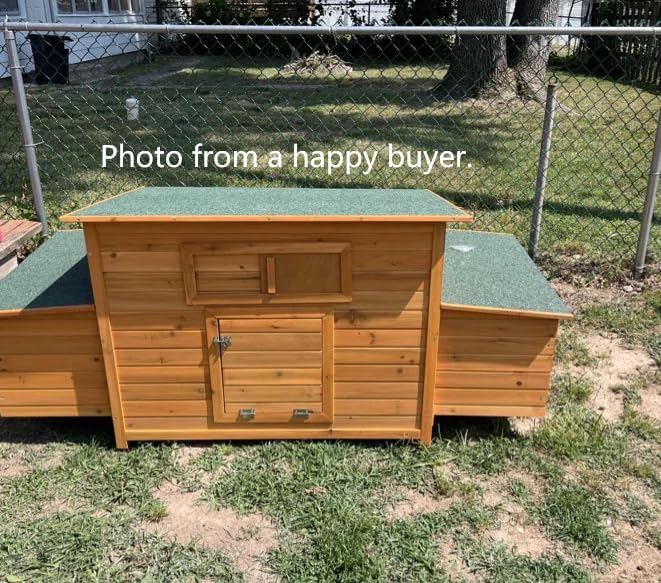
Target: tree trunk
x=478, y=64
x=528, y=55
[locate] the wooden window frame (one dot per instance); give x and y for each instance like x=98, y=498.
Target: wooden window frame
x=214, y=360
x=263, y=250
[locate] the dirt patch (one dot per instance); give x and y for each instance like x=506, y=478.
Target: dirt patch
x=576, y=297
x=638, y=560
x=411, y=503
x=187, y=453
x=520, y=536
x=12, y=467
x=618, y=365
x=453, y=564
x=650, y=404
x=55, y=506
x=244, y=539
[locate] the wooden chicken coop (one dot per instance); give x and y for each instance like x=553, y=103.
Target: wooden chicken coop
x=234, y=313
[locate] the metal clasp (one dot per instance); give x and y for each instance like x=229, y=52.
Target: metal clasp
x=301, y=413
x=246, y=413
x=223, y=341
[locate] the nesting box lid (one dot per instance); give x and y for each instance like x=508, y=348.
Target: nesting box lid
x=184, y=204
x=54, y=275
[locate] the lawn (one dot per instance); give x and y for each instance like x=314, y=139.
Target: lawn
x=574, y=497
x=597, y=178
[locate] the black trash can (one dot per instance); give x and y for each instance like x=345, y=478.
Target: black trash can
x=51, y=58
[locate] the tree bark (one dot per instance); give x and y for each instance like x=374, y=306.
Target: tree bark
x=478, y=64
x=528, y=56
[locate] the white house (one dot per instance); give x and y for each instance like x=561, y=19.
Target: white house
x=84, y=47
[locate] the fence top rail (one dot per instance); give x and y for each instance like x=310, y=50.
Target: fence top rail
x=278, y=30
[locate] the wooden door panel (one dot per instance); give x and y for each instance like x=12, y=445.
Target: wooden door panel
x=268, y=371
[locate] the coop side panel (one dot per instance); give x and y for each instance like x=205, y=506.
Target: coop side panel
x=51, y=366
x=159, y=339
x=493, y=365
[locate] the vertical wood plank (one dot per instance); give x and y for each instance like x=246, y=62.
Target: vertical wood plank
x=433, y=330
x=270, y=275
x=215, y=367
x=105, y=333
x=328, y=365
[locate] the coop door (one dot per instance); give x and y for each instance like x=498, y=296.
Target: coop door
x=272, y=368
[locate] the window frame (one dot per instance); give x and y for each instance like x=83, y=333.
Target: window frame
x=17, y=12
x=105, y=9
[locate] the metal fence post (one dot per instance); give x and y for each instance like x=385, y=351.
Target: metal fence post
x=542, y=170
x=650, y=200
x=26, y=129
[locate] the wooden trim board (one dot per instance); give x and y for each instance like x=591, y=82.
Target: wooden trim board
x=105, y=333
x=506, y=311
x=433, y=327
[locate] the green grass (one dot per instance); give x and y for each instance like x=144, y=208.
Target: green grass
x=576, y=515
x=592, y=203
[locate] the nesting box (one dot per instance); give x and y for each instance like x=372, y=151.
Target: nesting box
x=232, y=313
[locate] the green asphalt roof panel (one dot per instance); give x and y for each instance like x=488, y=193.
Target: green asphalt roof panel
x=280, y=202
x=492, y=270
x=55, y=274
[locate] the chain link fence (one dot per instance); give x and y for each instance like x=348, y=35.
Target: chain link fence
x=374, y=90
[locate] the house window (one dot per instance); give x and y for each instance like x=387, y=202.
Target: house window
x=123, y=5
x=93, y=6
x=79, y=6
x=9, y=7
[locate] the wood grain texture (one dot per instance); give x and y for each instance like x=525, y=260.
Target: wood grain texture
x=493, y=364
x=378, y=338
x=105, y=332
x=425, y=407
x=51, y=364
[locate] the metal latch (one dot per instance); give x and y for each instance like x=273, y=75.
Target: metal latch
x=246, y=413
x=223, y=341
x=301, y=413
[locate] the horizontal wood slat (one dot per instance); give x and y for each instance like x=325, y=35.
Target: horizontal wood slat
x=380, y=390
x=489, y=410
x=371, y=320
x=53, y=397
x=272, y=358
x=51, y=363
x=165, y=374
x=368, y=356
x=160, y=357
x=165, y=391
x=51, y=344
x=158, y=339
x=498, y=380
x=273, y=393
x=271, y=376
x=52, y=379
x=268, y=341
x=379, y=338
x=490, y=397
x=496, y=345
x=56, y=411
x=378, y=372
x=496, y=363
